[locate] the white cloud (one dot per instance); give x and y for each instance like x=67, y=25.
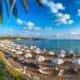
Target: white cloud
x=38, y=34
x=59, y=14
x=60, y=6
x=37, y=28
x=78, y=12
x=19, y=21
x=62, y=18
x=75, y=33
x=70, y=21
x=30, y=25
x=48, y=28
x=66, y=16
x=45, y=2
x=54, y=7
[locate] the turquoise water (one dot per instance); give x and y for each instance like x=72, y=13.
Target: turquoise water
x=53, y=44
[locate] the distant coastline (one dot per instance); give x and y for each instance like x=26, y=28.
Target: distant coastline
x=32, y=38
x=21, y=38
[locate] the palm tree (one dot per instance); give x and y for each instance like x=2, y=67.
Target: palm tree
x=13, y=7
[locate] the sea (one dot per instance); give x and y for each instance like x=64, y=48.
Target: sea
x=54, y=45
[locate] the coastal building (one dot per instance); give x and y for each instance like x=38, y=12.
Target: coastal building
x=31, y=47
x=70, y=74
x=60, y=61
x=46, y=56
x=71, y=51
x=37, y=50
x=19, y=52
x=18, y=47
x=62, y=54
x=13, y=50
x=61, y=72
x=76, y=61
x=28, y=55
x=28, y=51
x=40, y=58
x=51, y=53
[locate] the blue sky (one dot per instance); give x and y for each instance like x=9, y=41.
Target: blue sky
x=57, y=19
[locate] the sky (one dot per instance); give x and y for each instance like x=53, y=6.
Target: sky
x=56, y=19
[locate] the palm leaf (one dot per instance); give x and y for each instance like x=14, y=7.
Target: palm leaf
x=25, y=4
x=39, y=3
x=0, y=11
x=14, y=10
x=7, y=7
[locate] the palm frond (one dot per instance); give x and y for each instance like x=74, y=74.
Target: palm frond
x=7, y=10
x=0, y=11
x=39, y=3
x=25, y=4
x=13, y=7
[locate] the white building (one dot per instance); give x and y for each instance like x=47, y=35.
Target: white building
x=28, y=55
x=51, y=53
x=60, y=61
x=76, y=61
